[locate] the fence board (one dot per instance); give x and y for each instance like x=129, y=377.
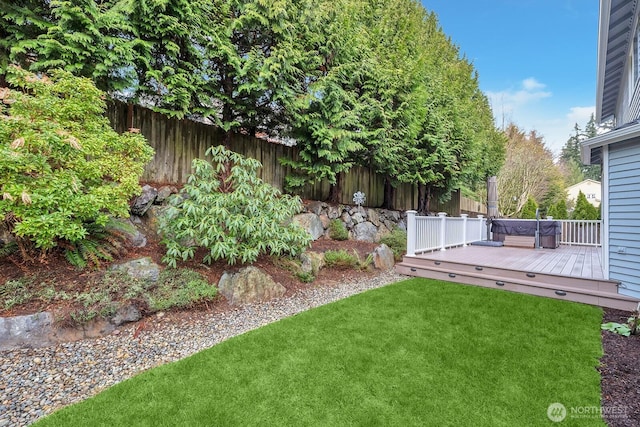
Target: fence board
x=177, y=142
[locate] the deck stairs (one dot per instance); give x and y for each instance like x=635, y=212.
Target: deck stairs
x=600, y=292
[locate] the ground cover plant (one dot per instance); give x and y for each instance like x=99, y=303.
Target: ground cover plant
x=413, y=353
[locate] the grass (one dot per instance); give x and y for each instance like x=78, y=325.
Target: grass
x=418, y=352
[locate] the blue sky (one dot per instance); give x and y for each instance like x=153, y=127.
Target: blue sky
x=536, y=59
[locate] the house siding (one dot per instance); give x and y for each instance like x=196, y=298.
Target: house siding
x=624, y=216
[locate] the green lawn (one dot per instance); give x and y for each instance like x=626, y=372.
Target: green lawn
x=418, y=352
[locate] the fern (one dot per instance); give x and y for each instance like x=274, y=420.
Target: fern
x=8, y=249
x=101, y=243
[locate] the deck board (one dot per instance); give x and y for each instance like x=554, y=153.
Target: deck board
x=575, y=261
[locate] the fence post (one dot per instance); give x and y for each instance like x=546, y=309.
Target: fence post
x=443, y=230
x=483, y=228
x=464, y=229
x=411, y=233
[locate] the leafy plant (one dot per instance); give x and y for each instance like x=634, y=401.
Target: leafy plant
x=232, y=213
x=62, y=166
x=15, y=292
x=625, y=329
x=397, y=242
x=337, y=230
x=101, y=243
x=179, y=288
x=342, y=259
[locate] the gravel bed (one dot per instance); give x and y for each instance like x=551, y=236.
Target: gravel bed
x=36, y=382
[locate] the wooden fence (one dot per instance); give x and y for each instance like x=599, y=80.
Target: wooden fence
x=177, y=142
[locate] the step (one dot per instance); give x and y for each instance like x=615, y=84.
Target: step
x=556, y=291
x=519, y=241
x=507, y=274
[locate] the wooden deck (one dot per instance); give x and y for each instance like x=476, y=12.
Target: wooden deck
x=575, y=261
x=572, y=273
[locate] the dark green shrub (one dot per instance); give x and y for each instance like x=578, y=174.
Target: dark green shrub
x=397, y=242
x=341, y=259
x=337, y=230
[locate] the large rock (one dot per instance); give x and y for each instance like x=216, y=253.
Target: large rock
x=33, y=330
x=141, y=268
x=365, y=231
x=164, y=192
x=248, y=285
x=383, y=258
x=131, y=233
x=126, y=313
x=310, y=222
x=144, y=200
x=312, y=262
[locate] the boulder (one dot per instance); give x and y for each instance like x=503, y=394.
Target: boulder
x=142, y=203
x=312, y=262
x=333, y=212
x=25, y=331
x=316, y=207
x=383, y=258
x=357, y=217
x=248, y=285
x=311, y=223
x=346, y=218
x=141, y=268
x=126, y=313
x=365, y=231
x=131, y=233
x=164, y=192
x=374, y=218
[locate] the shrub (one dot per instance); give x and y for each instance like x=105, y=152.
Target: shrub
x=529, y=209
x=584, y=210
x=179, y=288
x=232, y=213
x=61, y=164
x=397, y=242
x=337, y=230
x=341, y=259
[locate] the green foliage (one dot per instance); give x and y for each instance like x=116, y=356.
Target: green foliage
x=625, y=329
x=559, y=210
x=232, y=213
x=15, y=292
x=343, y=259
x=529, y=209
x=397, y=242
x=61, y=164
x=584, y=210
x=175, y=288
x=179, y=288
x=338, y=230
x=101, y=243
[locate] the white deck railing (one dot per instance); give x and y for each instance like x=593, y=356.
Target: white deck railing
x=431, y=233
x=580, y=232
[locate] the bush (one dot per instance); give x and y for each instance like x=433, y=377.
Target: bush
x=584, y=210
x=343, y=259
x=529, y=209
x=232, y=213
x=397, y=242
x=337, y=230
x=62, y=166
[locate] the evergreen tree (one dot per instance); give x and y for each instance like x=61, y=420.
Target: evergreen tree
x=584, y=210
x=529, y=209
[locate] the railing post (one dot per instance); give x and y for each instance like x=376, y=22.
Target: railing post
x=483, y=228
x=464, y=229
x=443, y=230
x=411, y=233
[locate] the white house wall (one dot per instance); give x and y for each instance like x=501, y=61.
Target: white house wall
x=624, y=215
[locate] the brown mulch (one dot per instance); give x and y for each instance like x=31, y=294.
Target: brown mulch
x=619, y=366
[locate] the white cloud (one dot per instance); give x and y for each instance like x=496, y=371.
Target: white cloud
x=522, y=105
x=508, y=102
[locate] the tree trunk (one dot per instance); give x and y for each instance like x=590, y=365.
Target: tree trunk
x=335, y=190
x=389, y=191
x=427, y=201
x=422, y=199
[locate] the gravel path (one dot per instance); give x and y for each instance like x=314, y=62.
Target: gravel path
x=36, y=382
